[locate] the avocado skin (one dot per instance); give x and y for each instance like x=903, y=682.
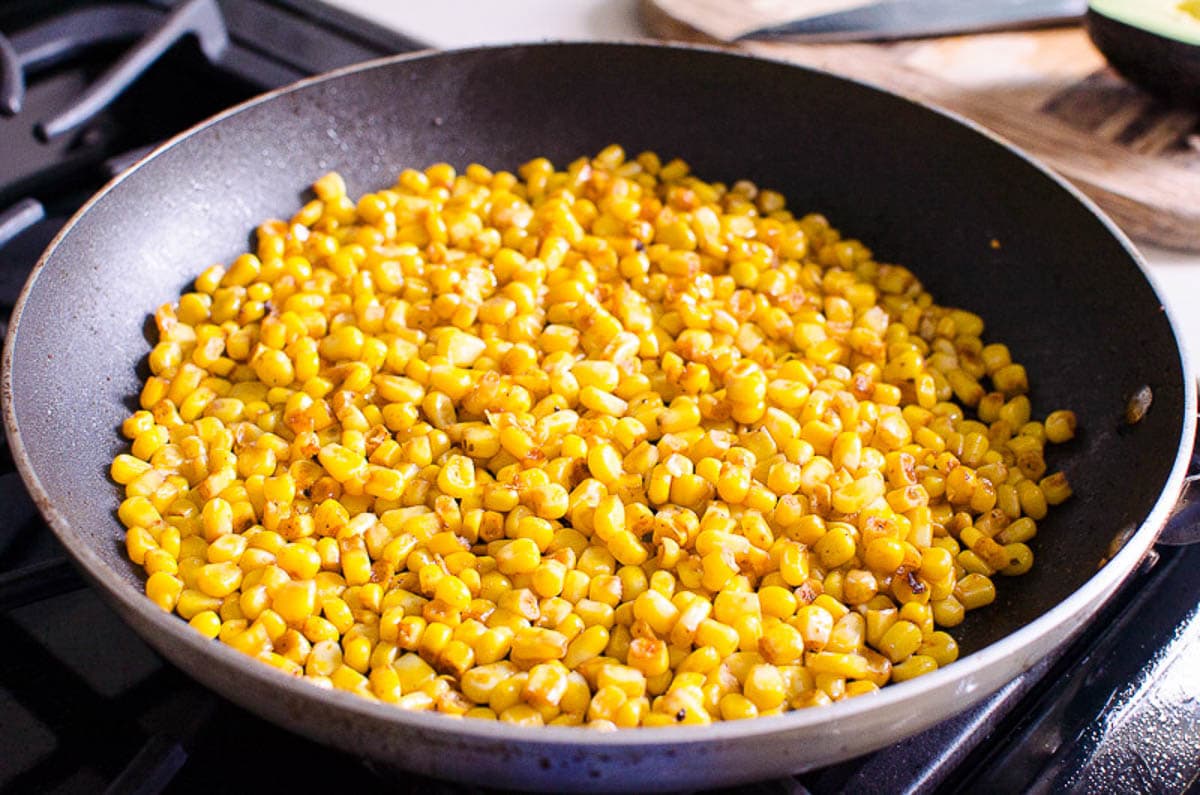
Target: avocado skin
x=1165, y=66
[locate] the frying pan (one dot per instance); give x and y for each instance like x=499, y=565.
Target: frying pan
x=985, y=229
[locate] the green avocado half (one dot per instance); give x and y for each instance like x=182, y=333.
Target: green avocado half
x=1154, y=43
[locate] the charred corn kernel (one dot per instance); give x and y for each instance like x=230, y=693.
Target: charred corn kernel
x=859, y=586
x=1011, y=379
x=974, y=591
x=1018, y=558
x=546, y=685
x=317, y=629
x=858, y=494
x=433, y=639
x=480, y=682
x=538, y=645
x=548, y=501
x=1055, y=488
x=782, y=644
x=815, y=625
x=649, y=655
x=656, y=610
x=455, y=658
x=457, y=476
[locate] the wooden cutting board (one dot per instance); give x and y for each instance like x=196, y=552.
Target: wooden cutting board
x=1049, y=92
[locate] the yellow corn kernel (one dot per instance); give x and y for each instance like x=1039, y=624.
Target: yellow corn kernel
x=835, y=548
x=764, y=687
x=342, y=463
x=296, y=601
x=649, y=655
x=519, y=556
x=457, y=476
x=219, y=579
x=207, y=623
x=974, y=591
x=948, y=612
x=164, y=590
x=127, y=468
x=900, y=641
x=538, y=645
x=914, y=666
x=1055, y=488
x=479, y=683
x=782, y=644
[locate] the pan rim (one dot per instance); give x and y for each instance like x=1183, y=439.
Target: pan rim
x=960, y=675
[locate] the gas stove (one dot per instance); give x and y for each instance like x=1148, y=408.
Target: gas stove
x=86, y=706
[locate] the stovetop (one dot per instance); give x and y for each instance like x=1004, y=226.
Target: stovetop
x=86, y=706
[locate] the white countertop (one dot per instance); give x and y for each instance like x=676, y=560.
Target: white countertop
x=462, y=23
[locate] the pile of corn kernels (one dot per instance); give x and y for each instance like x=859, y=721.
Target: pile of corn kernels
x=606, y=446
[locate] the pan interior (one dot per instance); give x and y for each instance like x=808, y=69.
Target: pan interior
x=981, y=227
